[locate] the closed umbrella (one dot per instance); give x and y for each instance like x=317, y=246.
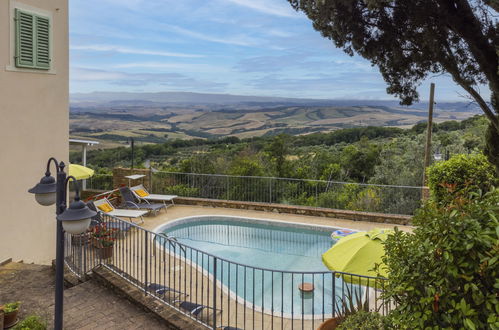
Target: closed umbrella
x=357, y=254
x=80, y=172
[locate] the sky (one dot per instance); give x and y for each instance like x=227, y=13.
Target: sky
x=244, y=47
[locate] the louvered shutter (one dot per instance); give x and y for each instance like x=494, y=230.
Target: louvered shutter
x=32, y=40
x=42, y=35
x=25, y=52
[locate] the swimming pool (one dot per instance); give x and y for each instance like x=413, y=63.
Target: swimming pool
x=262, y=262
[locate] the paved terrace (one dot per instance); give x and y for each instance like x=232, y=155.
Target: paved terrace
x=87, y=306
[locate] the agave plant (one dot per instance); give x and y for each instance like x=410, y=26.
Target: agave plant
x=350, y=304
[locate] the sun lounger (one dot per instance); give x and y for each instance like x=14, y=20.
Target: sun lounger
x=122, y=226
x=106, y=207
x=193, y=308
x=142, y=194
x=162, y=290
x=130, y=201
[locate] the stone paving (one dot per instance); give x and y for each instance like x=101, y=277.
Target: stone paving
x=86, y=306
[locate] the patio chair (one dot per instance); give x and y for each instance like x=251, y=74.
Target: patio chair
x=162, y=290
x=130, y=201
x=122, y=226
x=193, y=308
x=142, y=194
x=105, y=206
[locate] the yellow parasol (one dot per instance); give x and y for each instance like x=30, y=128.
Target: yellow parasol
x=80, y=172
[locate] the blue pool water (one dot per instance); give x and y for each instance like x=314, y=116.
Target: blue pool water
x=276, y=250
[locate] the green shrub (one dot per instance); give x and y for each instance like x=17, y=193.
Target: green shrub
x=460, y=175
x=181, y=190
x=445, y=274
x=32, y=322
x=364, y=321
x=11, y=307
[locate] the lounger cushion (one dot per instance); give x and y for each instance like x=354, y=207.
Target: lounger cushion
x=141, y=192
x=105, y=208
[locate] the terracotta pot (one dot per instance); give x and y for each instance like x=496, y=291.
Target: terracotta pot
x=2, y=315
x=10, y=319
x=329, y=324
x=106, y=252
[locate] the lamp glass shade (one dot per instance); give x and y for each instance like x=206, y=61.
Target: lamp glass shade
x=76, y=218
x=46, y=199
x=45, y=191
x=76, y=227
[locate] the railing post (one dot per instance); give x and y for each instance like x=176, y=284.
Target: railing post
x=214, y=293
x=334, y=294
x=146, y=257
x=85, y=243
x=270, y=190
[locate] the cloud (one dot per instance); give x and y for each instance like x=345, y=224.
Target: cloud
x=127, y=50
x=238, y=40
x=175, y=81
x=303, y=61
x=186, y=67
x=268, y=7
x=321, y=85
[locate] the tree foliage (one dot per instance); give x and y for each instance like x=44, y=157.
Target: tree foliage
x=409, y=40
x=459, y=175
x=445, y=274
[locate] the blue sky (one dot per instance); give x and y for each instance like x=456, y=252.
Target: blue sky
x=247, y=47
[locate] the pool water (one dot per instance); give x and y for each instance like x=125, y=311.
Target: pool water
x=276, y=250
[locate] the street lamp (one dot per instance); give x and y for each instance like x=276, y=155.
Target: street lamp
x=131, y=142
x=74, y=220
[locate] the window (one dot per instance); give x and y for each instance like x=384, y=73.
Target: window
x=32, y=40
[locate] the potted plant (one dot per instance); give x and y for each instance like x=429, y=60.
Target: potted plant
x=349, y=306
x=10, y=311
x=32, y=322
x=104, y=240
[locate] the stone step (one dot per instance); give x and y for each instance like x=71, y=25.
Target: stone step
x=21, y=266
x=6, y=261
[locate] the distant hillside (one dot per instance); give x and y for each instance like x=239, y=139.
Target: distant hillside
x=157, y=117
x=186, y=98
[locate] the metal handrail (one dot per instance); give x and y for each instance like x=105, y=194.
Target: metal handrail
x=290, y=179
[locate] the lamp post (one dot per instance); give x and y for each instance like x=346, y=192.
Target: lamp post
x=131, y=141
x=74, y=220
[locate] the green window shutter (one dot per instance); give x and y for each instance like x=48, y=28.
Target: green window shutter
x=42, y=28
x=25, y=52
x=32, y=40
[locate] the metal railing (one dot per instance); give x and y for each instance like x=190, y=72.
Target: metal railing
x=316, y=193
x=217, y=292
x=100, y=182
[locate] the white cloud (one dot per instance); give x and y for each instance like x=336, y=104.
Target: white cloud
x=193, y=67
x=127, y=50
x=171, y=80
x=267, y=7
x=239, y=40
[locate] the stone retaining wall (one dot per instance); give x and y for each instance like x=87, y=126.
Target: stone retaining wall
x=304, y=210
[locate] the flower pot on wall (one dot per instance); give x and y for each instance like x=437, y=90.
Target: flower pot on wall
x=10, y=319
x=329, y=324
x=106, y=252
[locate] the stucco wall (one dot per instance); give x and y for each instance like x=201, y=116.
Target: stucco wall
x=33, y=127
